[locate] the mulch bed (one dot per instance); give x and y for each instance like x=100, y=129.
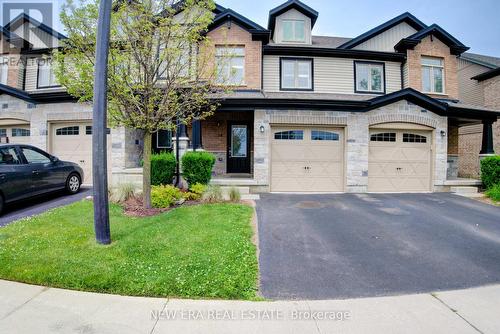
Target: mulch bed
x=133, y=207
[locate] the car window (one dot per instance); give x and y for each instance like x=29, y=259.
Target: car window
x=9, y=156
x=34, y=157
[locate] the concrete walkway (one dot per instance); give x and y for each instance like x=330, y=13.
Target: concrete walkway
x=33, y=309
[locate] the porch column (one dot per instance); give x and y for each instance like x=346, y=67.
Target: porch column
x=196, y=135
x=487, y=143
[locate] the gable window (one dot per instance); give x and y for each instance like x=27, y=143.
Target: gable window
x=432, y=75
x=230, y=62
x=369, y=77
x=4, y=70
x=294, y=31
x=46, y=75
x=296, y=74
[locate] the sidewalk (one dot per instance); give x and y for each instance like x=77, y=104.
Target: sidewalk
x=32, y=309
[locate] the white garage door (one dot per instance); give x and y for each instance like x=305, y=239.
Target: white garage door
x=399, y=161
x=307, y=159
x=16, y=134
x=73, y=142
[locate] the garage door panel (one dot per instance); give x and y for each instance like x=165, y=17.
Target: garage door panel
x=314, y=163
x=397, y=165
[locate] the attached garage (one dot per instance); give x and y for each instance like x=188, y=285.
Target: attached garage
x=307, y=159
x=15, y=133
x=73, y=142
x=400, y=158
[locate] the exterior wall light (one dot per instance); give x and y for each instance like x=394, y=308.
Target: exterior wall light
x=262, y=129
x=443, y=133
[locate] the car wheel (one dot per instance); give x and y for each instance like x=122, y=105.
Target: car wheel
x=73, y=183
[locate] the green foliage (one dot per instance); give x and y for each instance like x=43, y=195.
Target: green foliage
x=164, y=196
x=213, y=194
x=234, y=194
x=162, y=168
x=122, y=192
x=202, y=251
x=195, y=192
x=494, y=192
x=490, y=171
x=197, y=167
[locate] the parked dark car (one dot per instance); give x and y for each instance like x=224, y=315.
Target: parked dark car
x=27, y=171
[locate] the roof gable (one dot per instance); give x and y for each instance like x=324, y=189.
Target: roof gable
x=257, y=31
x=456, y=47
x=413, y=96
x=405, y=17
x=285, y=7
x=23, y=17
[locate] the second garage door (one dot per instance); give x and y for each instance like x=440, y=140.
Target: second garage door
x=73, y=142
x=399, y=160
x=307, y=159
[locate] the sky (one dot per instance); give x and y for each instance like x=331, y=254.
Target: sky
x=474, y=22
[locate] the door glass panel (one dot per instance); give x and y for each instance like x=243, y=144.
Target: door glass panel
x=8, y=156
x=239, y=141
x=34, y=157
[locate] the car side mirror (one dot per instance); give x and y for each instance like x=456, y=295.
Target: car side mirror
x=54, y=159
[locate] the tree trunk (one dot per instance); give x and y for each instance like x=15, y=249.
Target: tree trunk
x=146, y=171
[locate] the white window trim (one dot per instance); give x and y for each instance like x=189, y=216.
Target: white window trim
x=52, y=83
x=294, y=31
x=228, y=58
x=370, y=90
x=296, y=62
x=432, y=76
x=4, y=61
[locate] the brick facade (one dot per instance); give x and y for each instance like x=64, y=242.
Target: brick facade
x=237, y=36
x=433, y=47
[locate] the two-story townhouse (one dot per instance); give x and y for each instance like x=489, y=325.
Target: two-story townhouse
x=479, y=84
x=379, y=112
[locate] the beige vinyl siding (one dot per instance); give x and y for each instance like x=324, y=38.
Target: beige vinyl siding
x=470, y=91
x=331, y=75
x=32, y=77
x=37, y=37
x=388, y=39
x=292, y=14
x=406, y=81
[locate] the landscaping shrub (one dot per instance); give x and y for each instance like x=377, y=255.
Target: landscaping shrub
x=195, y=192
x=164, y=196
x=197, y=167
x=494, y=193
x=122, y=192
x=213, y=194
x=234, y=194
x=490, y=171
x=162, y=168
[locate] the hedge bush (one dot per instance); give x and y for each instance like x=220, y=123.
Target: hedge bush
x=494, y=192
x=162, y=168
x=490, y=171
x=197, y=167
x=164, y=196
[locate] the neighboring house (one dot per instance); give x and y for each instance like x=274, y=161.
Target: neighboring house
x=479, y=83
x=380, y=112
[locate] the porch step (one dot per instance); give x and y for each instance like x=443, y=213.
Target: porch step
x=466, y=191
x=250, y=197
x=243, y=190
x=234, y=182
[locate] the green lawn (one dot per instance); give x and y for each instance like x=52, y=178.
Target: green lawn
x=194, y=251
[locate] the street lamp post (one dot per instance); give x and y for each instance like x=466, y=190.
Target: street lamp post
x=99, y=125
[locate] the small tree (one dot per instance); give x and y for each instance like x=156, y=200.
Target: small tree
x=161, y=65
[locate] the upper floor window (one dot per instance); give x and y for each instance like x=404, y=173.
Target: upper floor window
x=432, y=75
x=230, y=62
x=296, y=74
x=4, y=70
x=369, y=77
x=294, y=31
x=46, y=74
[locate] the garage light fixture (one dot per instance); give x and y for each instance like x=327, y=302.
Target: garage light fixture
x=443, y=133
x=262, y=129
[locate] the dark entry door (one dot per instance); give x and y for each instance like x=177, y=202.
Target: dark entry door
x=238, y=155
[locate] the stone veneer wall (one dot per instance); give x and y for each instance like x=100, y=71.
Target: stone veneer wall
x=357, y=138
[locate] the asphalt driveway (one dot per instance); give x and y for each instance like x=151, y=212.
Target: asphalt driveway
x=359, y=245
x=40, y=204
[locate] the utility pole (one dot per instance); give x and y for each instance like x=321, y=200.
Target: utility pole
x=99, y=125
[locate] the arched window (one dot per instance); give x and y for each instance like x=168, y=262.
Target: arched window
x=324, y=135
x=68, y=131
x=290, y=135
x=385, y=136
x=413, y=138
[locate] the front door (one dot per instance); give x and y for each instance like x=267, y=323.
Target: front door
x=238, y=137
